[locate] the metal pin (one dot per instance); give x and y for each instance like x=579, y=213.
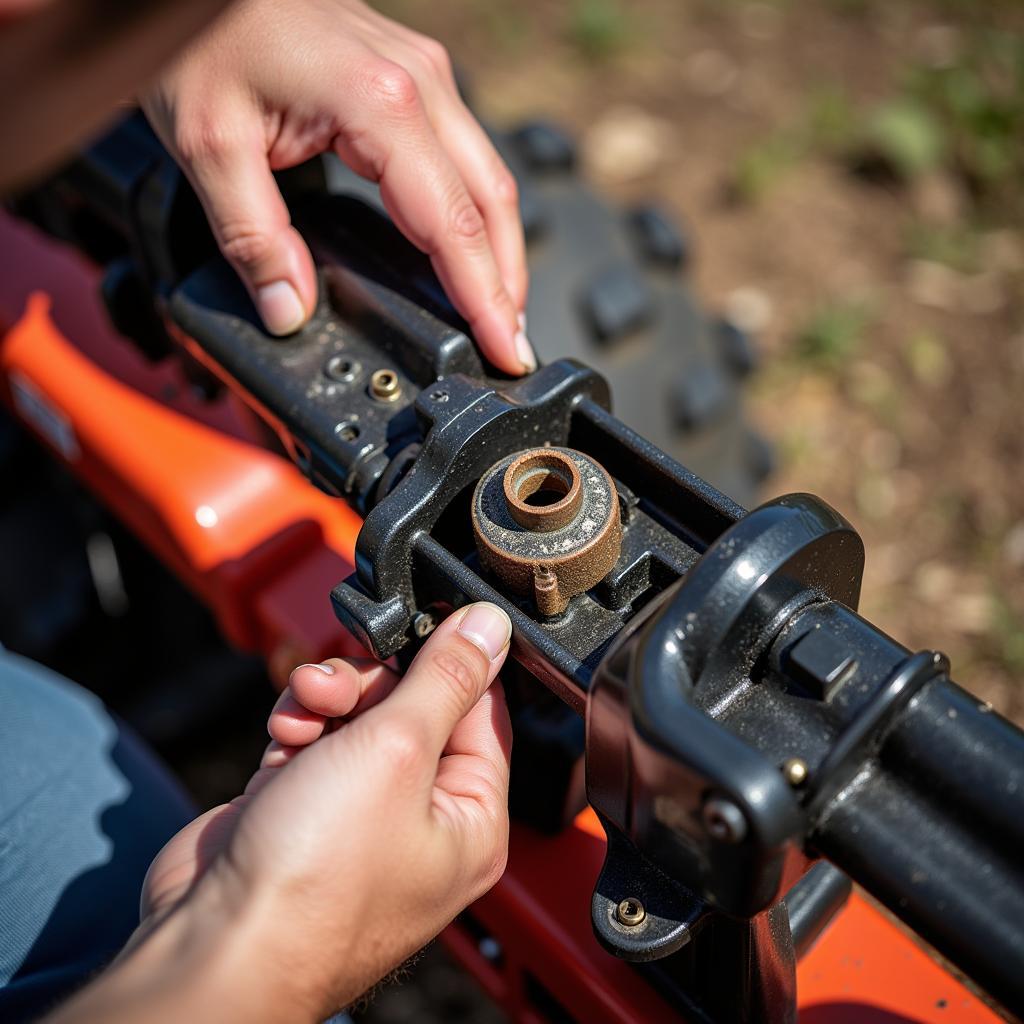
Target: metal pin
x=795, y=771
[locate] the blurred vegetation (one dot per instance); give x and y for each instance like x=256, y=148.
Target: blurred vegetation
x=958, y=113
x=834, y=333
x=599, y=28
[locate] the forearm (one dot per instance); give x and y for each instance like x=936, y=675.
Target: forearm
x=202, y=961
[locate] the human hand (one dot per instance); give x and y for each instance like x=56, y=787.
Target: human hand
x=378, y=814
x=272, y=84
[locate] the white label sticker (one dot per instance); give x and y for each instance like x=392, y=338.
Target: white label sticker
x=38, y=411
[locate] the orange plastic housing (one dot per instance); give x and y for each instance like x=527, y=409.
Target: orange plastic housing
x=261, y=547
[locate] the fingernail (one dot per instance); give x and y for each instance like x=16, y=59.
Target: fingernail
x=280, y=307
x=524, y=351
x=487, y=627
x=328, y=670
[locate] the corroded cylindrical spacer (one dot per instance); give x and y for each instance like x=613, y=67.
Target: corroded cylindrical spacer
x=546, y=522
x=543, y=470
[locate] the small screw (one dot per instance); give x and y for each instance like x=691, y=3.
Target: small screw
x=630, y=912
x=423, y=624
x=384, y=386
x=794, y=771
x=724, y=820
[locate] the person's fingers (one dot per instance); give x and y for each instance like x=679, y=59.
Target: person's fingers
x=485, y=732
x=250, y=220
x=292, y=724
x=392, y=142
x=470, y=792
x=477, y=756
x=492, y=187
x=341, y=686
x=277, y=755
x=450, y=675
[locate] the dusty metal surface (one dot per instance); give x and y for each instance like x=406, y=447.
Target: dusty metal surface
x=546, y=521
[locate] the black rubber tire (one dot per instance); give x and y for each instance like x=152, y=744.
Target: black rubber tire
x=607, y=288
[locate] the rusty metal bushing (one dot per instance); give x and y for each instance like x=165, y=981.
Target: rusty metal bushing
x=546, y=523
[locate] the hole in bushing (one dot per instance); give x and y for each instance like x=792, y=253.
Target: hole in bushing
x=542, y=490
x=542, y=481
x=546, y=495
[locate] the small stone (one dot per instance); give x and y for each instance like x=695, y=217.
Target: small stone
x=970, y=612
x=749, y=308
x=937, y=198
x=711, y=72
x=939, y=46
x=934, y=582
x=1002, y=250
x=626, y=143
x=933, y=284
x=1013, y=545
x=983, y=293
x=876, y=496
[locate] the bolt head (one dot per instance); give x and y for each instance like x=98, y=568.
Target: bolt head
x=724, y=821
x=423, y=624
x=630, y=912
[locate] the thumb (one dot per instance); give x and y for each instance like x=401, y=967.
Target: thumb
x=451, y=673
x=253, y=229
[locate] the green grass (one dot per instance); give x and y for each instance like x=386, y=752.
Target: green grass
x=599, y=28
x=908, y=135
x=833, y=334
x=762, y=165
x=966, y=118
x=828, y=125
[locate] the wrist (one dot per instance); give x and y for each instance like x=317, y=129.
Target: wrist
x=211, y=950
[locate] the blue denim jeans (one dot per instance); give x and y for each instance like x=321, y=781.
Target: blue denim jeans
x=84, y=808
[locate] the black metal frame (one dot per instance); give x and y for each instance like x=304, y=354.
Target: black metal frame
x=721, y=648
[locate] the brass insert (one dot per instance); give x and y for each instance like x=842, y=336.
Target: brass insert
x=384, y=386
x=546, y=522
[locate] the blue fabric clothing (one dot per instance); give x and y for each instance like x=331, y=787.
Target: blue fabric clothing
x=84, y=808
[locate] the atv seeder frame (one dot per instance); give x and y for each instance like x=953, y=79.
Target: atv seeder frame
x=751, y=743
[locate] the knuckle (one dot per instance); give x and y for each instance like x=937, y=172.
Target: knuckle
x=460, y=670
x=394, y=89
x=245, y=245
x=400, y=746
x=437, y=57
x=467, y=222
x=499, y=298
x=506, y=188
x=495, y=860
x=202, y=138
